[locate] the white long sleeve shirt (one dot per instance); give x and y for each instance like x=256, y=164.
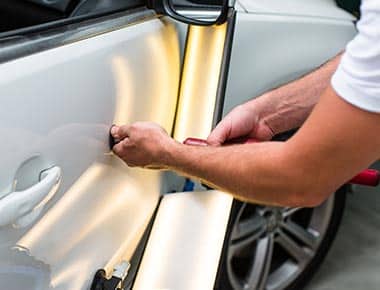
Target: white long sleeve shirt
x=357, y=79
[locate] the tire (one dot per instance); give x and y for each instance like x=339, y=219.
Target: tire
x=286, y=245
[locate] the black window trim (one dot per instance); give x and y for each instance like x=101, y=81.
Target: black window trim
x=23, y=42
x=69, y=20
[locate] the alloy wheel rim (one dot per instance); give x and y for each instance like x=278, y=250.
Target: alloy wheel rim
x=270, y=247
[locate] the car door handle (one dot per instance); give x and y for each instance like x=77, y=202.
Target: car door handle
x=22, y=206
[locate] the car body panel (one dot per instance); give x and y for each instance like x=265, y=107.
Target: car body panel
x=315, y=8
x=56, y=109
x=186, y=242
x=199, y=81
x=190, y=226
x=270, y=50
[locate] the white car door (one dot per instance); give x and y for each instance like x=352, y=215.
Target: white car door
x=68, y=206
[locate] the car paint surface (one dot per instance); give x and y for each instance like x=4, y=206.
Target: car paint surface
x=268, y=50
x=56, y=109
x=315, y=8
x=186, y=242
x=273, y=49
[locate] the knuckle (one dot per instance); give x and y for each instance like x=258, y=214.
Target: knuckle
x=123, y=130
x=126, y=143
x=117, y=150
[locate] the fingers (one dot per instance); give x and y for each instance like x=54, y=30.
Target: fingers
x=263, y=132
x=120, y=132
x=115, y=131
x=120, y=147
x=240, y=122
x=142, y=144
x=220, y=134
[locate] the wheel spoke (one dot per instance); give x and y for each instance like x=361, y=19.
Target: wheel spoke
x=239, y=245
x=248, y=227
x=259, y=272
x=288, y=211
x=286, y=237
x=299, y=253
x=308, y=238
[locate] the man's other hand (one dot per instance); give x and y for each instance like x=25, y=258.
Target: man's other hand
x=242, y=121
x=142, y=144
x=276, y=111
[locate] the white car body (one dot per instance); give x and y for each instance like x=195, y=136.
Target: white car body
x=56, y=109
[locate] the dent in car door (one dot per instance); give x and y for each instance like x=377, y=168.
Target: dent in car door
x=56, y=108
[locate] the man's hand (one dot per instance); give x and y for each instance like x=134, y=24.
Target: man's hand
x=241, y=121
x=142, y=144
x=276, y=111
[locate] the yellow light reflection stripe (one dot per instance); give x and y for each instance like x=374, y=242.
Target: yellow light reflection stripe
x=200, y=80
x=186, y=241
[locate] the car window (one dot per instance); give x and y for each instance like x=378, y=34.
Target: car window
x=24, y=14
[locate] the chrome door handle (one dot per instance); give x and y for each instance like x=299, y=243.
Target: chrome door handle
x=22, y=207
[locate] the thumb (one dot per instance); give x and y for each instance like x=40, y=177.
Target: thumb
x=219, y=135
x=120, y=132
x=263, y=132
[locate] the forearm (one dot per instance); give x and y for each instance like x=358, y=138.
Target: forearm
x=257, y=172
x=336, y=142
x=288, y=106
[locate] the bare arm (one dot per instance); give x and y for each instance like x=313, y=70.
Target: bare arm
x=278, y=110
x=336, y=142
x=288, y=106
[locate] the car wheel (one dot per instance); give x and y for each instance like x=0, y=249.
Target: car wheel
x=277, y=248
